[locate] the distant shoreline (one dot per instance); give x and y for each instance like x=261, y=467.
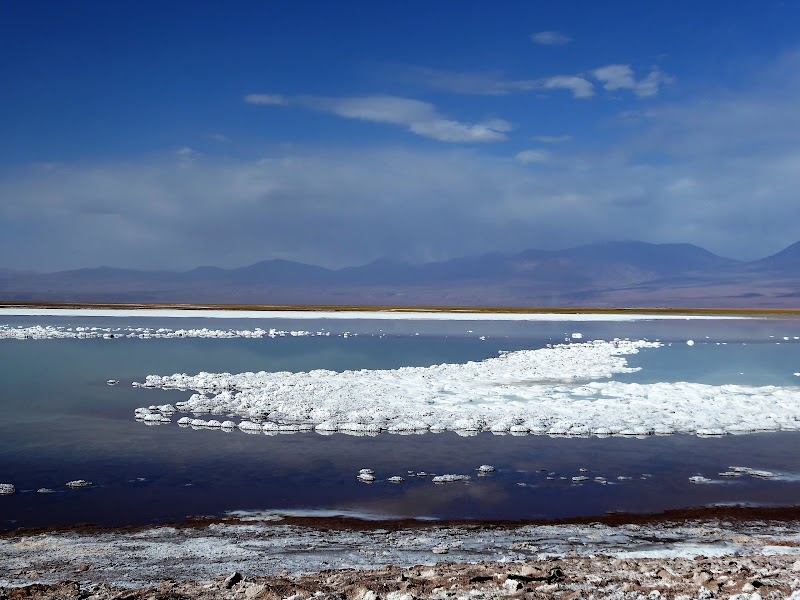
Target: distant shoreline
x=396, y=309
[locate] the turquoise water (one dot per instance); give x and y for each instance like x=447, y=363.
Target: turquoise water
x=62, y=422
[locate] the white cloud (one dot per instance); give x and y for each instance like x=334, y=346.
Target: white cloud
x=550, y=38
x=580, y=87
x=614, y=77
x=527, y=157
x=622, y=77
x=265, y=99
x=416, y=116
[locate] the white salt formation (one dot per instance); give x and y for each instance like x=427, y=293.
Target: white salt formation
x=78, y=483
x=52, y=332
x=6, y=489
x=700, y=479
x=450, y=478
x=366, y=475
x=546, y=391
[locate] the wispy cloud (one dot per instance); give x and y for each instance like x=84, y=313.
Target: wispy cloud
x=265, y=99
x=527, y=157
x=550, y=38
x=551, y=139
x=622, y=77
x=420, y=118
x=488, y=83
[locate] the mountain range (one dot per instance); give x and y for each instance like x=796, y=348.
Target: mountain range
x=609, y=274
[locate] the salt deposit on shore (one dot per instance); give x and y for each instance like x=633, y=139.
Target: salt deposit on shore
x=52, y=332
x=695, y=557
x=545, y=391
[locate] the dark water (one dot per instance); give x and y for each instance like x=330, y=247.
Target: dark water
x=62, y=422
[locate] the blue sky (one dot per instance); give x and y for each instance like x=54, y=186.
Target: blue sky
x=177, y=134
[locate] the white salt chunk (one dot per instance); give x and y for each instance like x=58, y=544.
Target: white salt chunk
x=78, y=483
x=450, y=478
x=699, y=479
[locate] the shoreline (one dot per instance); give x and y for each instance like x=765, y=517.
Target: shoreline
x=734, y=513
x=7, y=308
x=722, y=550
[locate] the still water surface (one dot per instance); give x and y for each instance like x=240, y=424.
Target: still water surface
x=62, y=422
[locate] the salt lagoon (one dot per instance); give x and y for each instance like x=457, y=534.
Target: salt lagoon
x=536, y=381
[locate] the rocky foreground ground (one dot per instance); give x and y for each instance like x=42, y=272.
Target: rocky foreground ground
x=597, y=577
x=718, y=556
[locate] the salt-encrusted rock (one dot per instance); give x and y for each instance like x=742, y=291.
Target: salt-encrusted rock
x=250, y=426
x=44, y=491
x=112, y=382
x=485, y=469
x=699, y=479
x=78, y=483
x=6, y=489
x=366, y=472
x=185, y=421
x=580, y=478
x=690, y=342
x=227, y=425
x=440, y=550
x=232, y=580
x=396, y=479
x=366, y=477
x=754, y=472
x=449, y=478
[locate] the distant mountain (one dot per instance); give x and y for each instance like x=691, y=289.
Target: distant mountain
x=787, y=259
x=627, y=273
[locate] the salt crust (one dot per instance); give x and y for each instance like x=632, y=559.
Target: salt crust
x=373, y=315
x=51, y=332
x=545, y=391
x=148, y=557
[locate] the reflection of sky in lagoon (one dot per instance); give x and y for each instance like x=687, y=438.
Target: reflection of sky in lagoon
x=62, y=422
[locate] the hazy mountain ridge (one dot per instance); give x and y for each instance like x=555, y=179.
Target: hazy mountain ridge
x=604, y=274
